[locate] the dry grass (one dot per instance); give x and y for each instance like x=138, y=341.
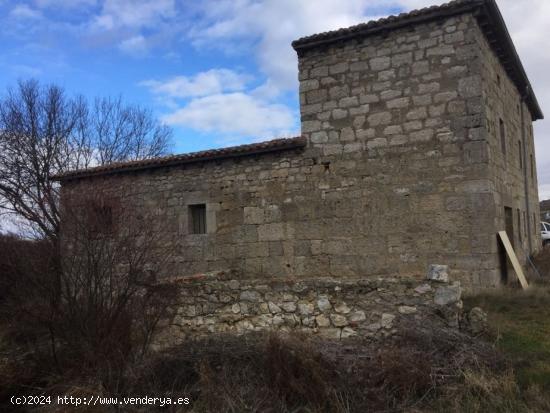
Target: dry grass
x=519, y=323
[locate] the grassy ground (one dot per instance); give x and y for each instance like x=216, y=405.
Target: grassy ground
x=519, y=323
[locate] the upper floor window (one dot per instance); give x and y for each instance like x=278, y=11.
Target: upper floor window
x=502, y=136
x=197, y=219
x=101, y=218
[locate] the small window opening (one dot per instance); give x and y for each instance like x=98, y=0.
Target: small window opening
x=498, y=80
x=502, y=137
x=532, y=168
x=197, y=219
x=101, y=219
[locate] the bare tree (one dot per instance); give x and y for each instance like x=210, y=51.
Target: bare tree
x=94, y=304
x=45, y=132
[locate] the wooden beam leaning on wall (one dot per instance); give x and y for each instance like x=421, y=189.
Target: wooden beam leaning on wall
x=513, y=259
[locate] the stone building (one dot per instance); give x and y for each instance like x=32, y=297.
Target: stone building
x=416, y=148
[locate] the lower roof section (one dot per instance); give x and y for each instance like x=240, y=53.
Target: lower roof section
x=194, y=157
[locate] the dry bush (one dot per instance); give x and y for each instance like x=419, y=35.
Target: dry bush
x=87, y=314
x=274, y=373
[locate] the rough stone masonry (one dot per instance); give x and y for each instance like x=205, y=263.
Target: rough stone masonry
x=416, y=148
x=372, y=308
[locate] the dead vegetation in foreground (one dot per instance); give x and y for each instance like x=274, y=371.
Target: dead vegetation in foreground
x=421, y=371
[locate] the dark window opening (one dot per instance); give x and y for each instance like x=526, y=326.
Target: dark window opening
x=498, y=80
x=532, y=168
x=197, y=219
x=502, y=137
x=101, y=219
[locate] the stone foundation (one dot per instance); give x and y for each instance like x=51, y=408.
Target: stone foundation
x=331, y=308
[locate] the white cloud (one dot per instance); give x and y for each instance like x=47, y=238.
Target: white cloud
x=134, y=13
x=64, y=4
x=23, y=70
x=23, y=11
x=210, y=82
x=233, y=114
x=270, y=26
x=134, y=46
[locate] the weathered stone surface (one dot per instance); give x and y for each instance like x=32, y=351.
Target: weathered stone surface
x=438, y=272
x=250, y=296
x=323, y=304
x=380, y=63
x=338, y=320
x=274, y=308
x=322, y=320
x=423, y=289
x=305, y=308
x=348, y=332
x=446, y=295
x=405, y=309
x=387, y=320
x=357, y=316
x=382, y=118
x=342, y=308
x=289, y=307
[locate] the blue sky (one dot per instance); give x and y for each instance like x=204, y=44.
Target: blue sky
x=219, y=72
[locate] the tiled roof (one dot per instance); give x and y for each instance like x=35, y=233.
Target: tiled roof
x=208, y=155
x=387, y=23
x=490, y=20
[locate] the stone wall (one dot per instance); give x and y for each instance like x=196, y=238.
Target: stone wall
x=411, y=104
x=396, y=174
x=513, y=168
x=328, y=307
